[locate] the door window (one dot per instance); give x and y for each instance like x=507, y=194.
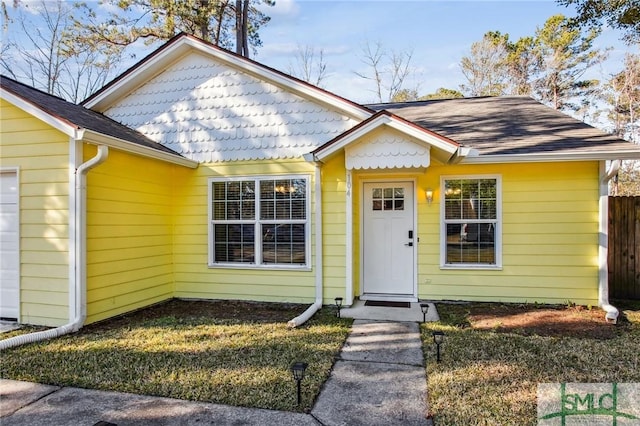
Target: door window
x=387, y=199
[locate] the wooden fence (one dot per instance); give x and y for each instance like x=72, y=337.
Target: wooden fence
x=624, y=247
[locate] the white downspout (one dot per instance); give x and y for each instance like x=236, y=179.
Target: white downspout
x=611, y=312
x=311, y=310
x=77, y=251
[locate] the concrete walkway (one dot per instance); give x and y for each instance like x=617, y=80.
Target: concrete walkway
x=412, y=314
x=378, y=379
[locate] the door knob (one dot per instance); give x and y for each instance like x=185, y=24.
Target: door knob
x=409, y=244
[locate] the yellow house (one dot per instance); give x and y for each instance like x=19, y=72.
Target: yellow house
x=202, y=174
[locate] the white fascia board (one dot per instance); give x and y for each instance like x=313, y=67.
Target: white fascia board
x=158, y=63
x=101, y=139
x=551, y=157
x=145, y=71
x=60, y=124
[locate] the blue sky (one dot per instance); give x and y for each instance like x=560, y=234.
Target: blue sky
x=439, y=33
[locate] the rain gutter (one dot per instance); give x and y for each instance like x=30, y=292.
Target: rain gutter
x=311, y=310
x=77, y=249
x=611, y=312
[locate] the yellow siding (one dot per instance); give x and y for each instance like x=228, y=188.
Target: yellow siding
x=129, y=234
x=42, y=155
x=334, y=186
x=148, y=231
x=193, y=277
x=550, y=236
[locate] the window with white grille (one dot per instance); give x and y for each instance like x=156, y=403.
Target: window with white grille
x=471, y=221
x=259, y=221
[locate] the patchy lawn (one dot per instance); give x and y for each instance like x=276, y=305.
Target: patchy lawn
x=495, y=355
x=230, y=352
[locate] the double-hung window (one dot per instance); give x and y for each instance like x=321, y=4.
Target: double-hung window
x=259, y=221
x=471, y=225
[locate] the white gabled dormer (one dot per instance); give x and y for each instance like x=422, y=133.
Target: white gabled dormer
x=386, y=141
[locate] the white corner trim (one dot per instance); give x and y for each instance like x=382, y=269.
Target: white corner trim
x=348, y=256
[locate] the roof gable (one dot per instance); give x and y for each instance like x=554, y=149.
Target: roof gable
x=391, y=141
x=209, y=111
x=182, y=44
x=211, y=105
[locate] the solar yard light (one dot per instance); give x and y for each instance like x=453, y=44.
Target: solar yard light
x=338, y=301
x=425, y=309
x=438, y=338
x=297, y=369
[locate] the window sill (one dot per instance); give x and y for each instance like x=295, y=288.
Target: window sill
x=251, y=267
x=471, y=267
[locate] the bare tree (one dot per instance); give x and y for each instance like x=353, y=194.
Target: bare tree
x=50, y=59
x=40, y=61
x=309, y=66
x=627, y=181
x=524, y=63
x=486, y=68
x=388, y=70
x=623, y=97
x=372, y=57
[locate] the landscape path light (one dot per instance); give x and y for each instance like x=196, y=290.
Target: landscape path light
x=425, y=309
x=438, y=338
x=338, y=301
x=298, y=369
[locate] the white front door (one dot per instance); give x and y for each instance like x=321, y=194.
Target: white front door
x=388, y=240
x=9, y=263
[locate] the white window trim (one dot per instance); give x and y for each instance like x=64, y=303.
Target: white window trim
x=498, y=230
x=258, y=246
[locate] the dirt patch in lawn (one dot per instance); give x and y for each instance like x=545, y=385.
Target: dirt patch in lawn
x=546, y=320
x=220, y=310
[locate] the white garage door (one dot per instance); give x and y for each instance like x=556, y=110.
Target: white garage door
x=9, y=261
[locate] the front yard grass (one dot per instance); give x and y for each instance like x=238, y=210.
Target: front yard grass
x=235, y=353
x=495, y=355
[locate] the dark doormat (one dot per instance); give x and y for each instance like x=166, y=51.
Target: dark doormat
x=387, y=304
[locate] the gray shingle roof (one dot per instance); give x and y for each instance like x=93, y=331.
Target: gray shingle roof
x=507, y=125
x=79, y=116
